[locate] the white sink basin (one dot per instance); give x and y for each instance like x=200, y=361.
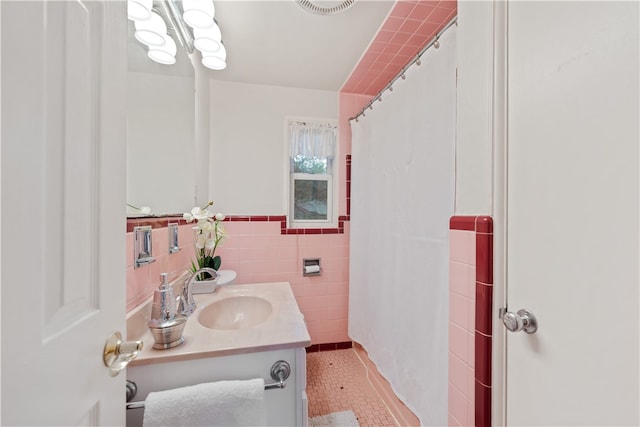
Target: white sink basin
x=237, y=312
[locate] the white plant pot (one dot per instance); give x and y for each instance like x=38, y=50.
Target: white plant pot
x=226, y=277
x=204, y=286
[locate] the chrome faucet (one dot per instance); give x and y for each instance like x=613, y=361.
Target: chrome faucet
x=187, y=303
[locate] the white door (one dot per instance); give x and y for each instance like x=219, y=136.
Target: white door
x=63, y=210
x=572, y=233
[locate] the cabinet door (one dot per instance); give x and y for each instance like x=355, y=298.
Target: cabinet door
x=283, y=406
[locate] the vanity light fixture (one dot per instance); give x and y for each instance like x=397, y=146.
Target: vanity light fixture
x=139, y=9
x=151, y=31
x=198, y=13
x=215, y=60
x=164, y=54
x=152, y=16
x=207, y=39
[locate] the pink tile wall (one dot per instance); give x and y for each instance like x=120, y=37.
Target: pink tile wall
x=350, y=105
x=411, y=24
x=470, y=320
x=142, y=281
x=259, y=252
x=462, y=275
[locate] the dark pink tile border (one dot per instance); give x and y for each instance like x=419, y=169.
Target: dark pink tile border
x=483, y=227
x=484, y=303
x=282, y=219
x=484, y=257
x=484, y=224
x=483, y=405
x=466, y=223
x=329, y=346
x=348, y=186
x=483, y=362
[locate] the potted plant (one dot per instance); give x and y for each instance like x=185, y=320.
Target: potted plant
x=208, y=235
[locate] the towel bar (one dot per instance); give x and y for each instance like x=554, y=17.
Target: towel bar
x=280, y=371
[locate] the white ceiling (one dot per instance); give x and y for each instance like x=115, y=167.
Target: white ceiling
x=278, y=43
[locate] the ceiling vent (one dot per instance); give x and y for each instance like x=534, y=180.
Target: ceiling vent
x=312, y=7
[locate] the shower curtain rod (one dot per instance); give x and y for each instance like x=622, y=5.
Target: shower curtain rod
x=404, y=69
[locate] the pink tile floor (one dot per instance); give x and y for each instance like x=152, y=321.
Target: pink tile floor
x=337, y=381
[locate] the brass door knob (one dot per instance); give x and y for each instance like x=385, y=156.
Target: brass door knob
x=117, y=353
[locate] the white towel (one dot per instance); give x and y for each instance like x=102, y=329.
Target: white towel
x=222, y=403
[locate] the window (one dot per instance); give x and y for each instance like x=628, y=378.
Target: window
x=312, y=146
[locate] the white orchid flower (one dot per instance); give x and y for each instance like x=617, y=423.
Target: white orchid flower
x=199, y=244
x=220, y=232
x=210, y=243
x=201, y=214
x=200, y=241
x=208, y=233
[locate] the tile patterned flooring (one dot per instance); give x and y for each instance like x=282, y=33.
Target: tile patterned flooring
x=337, y=381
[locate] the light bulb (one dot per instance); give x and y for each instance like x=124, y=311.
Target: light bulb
x=220, y=53
x=207, y=39
x=151, y=31
x=214, y=62
x=198, y=13
x=139, y=9
x=165, y=54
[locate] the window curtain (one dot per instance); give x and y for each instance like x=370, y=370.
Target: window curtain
x=402, y=197
x=312, y=139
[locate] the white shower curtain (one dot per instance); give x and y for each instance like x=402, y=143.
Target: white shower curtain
x=402, y=197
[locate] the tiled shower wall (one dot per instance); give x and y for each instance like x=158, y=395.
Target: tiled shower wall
x=260, y=250
x=470, y=322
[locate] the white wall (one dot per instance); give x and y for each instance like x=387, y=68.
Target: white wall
x=160, y=142
x=248, y=163
x=474, y=121
x=202, y=131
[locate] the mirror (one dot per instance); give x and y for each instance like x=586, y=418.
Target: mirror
x=160, y=133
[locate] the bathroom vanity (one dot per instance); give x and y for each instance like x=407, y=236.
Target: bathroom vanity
x=238, y=333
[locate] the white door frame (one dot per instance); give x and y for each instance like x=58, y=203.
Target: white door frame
x=500, y=187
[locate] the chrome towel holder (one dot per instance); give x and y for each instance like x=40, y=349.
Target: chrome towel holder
x=280, y=372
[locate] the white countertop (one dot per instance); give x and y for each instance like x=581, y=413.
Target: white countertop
x=284, y=328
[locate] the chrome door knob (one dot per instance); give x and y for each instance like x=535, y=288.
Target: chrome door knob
x=523, y=320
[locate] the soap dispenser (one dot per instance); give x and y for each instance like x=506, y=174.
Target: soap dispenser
x=165, y=305
x=166, y=324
